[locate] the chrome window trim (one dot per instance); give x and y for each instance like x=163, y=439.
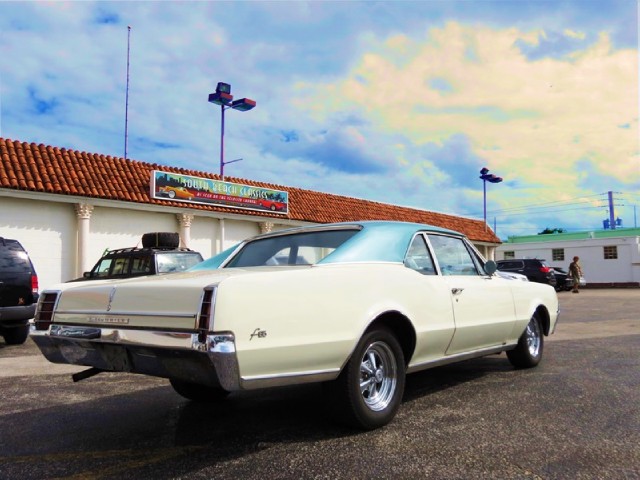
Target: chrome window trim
x=465, y=243
x=290, y=231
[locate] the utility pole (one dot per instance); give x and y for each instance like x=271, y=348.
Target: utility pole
x=612, y=217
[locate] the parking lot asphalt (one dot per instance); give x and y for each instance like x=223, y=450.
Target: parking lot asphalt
x=575, y=416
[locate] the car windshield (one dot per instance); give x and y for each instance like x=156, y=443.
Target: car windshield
x=176, y=261
x=304, y=248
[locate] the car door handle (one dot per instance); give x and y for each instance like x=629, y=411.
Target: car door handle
x=456, y=291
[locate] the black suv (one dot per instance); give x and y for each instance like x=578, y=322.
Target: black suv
x=159, y=254
x=18, y=291
x=536, y=270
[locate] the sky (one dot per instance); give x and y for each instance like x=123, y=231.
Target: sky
x=391, y=101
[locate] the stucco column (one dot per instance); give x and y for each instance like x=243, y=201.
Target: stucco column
x=184, y=220
x=83, y=212
x=266, y=227
x=220, y=235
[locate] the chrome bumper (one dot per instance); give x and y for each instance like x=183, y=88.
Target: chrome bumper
x=156, y=353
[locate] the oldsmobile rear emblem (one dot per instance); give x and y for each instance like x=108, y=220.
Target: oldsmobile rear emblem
x=111, y=295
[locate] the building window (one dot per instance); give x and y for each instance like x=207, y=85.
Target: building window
x=611, y=253
x=510, y=254
x=557, y=254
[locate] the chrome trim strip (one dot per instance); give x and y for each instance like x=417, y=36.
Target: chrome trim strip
x=458, y=357
x=105, y=313
x=290, y=378
x=290, y=374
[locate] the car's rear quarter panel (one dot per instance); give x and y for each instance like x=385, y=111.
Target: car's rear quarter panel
x=312, y=317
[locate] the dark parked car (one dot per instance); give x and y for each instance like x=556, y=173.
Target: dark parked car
x=535, y=269
x=563, y=279
x=159, y=254
x=18, y=291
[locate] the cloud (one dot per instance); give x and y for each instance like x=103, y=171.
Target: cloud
x=531, y=119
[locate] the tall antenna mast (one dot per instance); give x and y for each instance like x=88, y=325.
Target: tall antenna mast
x=126, y=106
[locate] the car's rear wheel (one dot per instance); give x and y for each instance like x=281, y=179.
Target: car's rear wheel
x=197, y=392
x=368, y=392
x=16, y=335
x=528, y=352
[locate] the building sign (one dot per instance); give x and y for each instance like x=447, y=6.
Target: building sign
x=185, y=188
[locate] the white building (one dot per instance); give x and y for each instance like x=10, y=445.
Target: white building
x=608, y=257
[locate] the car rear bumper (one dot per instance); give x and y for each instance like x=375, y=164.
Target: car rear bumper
x=156, y=353
x=17, y=316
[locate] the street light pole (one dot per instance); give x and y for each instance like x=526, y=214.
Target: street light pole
x=487, y=177
x=222, y=109
x=223, y=97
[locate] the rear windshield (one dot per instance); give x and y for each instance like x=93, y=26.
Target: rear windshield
x=292, y=249
x=13, y=258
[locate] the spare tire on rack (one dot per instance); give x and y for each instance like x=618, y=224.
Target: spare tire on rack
x=161, y=240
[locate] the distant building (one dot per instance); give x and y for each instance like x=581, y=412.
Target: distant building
x=610, y=258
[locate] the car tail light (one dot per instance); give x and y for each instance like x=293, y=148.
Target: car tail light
x=44, y=312
x=205, y=318
x=545, y=269
x=34, y=284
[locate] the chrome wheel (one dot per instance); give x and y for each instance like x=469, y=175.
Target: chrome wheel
x=533, y=337
x=378, y=376
x=528, y=351
x=368, y=391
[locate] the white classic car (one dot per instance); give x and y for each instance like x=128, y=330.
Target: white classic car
x=353, y=305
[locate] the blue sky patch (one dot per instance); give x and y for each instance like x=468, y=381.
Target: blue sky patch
x=553, y=45
x=440, y=84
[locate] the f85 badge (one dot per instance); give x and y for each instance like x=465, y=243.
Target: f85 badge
x=258, y=333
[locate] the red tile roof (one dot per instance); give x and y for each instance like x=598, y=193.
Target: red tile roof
x=44, y=168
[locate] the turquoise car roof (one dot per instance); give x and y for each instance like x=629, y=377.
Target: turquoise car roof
x=379, y=241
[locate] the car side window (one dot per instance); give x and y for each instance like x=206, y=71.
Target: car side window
x=141, y=264
x=418, y=257
x=120, y=266
x=452, y=255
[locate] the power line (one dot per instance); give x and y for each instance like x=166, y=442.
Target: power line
x=546, y=205
x=555, y=210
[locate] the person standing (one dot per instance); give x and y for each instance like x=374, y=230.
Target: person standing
x=575, y=270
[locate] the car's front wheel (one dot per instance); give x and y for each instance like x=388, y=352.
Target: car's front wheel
x=368, y=392
x=528, y=352
x=197, y=392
